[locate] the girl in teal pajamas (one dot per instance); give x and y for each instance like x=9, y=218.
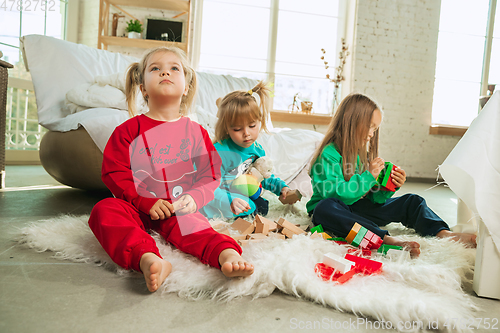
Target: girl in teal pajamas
x=240, y=120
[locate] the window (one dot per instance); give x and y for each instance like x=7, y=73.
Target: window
x=19, y=18
x=278, y=41
x=463, y=70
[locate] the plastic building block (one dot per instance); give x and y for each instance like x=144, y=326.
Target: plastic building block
x=365, y=253
x=340, y=264
x=329, y=274
x=374, y=241
x=359, y=237
x=398, y=255
x=384, y=178
x=291, y=197
x=318, y=228
x=365, y=266
x=385, y=247
x=354, y=231
x=339, y=240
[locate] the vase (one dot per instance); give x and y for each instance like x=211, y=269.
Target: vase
x=133, y=34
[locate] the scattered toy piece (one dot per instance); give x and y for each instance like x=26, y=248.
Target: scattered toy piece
x=340, y=264
x=256, y=236
x=318, y=229
x=365, y=266
x=272, y=226
x=243, y=227
x=384, y=178
x=386, y=247
x=357, y=252
x=359, y=236
x=291, y=197
x=327, y=273
x=289, y=228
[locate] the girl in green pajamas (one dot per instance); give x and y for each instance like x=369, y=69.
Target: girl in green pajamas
x=343, y=175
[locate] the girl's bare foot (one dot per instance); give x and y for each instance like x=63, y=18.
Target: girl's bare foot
x=232, y=264
x=413, y=247
x=155, y=270
x=468, y=239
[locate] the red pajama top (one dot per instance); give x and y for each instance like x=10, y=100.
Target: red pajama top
x=147, y=159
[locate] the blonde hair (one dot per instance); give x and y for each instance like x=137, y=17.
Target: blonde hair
x=241, y=104
x=135, y=77
x=348, y=129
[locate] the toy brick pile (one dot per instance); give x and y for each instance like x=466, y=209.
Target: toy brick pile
x=363, y=243
x=261, y=228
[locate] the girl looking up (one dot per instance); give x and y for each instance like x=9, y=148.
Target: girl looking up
x=162, y=168
x=240, y=120
x=344, y=172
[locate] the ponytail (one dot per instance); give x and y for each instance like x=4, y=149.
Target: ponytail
x=242, y=104
x=264, y=92
x=132, y=81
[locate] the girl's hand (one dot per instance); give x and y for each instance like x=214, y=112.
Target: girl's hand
x=161, y=210
x=398, y=176
x=284, y=193
x=376, y=166
x=239, y=206
x=185, y=205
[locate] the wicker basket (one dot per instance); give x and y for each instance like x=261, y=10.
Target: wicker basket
x=3, y=116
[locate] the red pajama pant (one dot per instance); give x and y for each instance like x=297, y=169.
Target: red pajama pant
x=122, y=231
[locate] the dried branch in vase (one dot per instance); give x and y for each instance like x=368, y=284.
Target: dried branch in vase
x=339, y=72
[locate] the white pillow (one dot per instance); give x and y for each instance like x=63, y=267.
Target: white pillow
x=57, y=66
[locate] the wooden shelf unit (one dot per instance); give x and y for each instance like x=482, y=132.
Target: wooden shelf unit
x=104, y=39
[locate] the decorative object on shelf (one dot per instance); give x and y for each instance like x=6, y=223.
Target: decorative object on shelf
x=134, y=29
x=306, y=106
x=116, y=17
x=339, y=73
x=294, y=107
x=156, y=28
x=180, y=9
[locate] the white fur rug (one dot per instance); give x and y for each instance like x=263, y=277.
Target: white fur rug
x=425, y=289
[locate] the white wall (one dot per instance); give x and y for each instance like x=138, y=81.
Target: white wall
x=394, y=61
x=88, y=23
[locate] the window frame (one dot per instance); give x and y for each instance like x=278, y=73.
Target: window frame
x=345, y=30
x=69, y=33
x=456, y=130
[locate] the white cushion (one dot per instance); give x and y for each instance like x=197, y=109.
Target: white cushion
x=56, y=66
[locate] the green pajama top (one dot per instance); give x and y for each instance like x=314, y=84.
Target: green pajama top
x=328, y=181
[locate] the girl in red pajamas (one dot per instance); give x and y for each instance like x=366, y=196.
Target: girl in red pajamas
x=162, y=168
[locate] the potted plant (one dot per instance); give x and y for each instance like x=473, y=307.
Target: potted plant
x=134, y=29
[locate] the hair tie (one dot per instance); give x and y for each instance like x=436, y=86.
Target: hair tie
x=250, y=92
